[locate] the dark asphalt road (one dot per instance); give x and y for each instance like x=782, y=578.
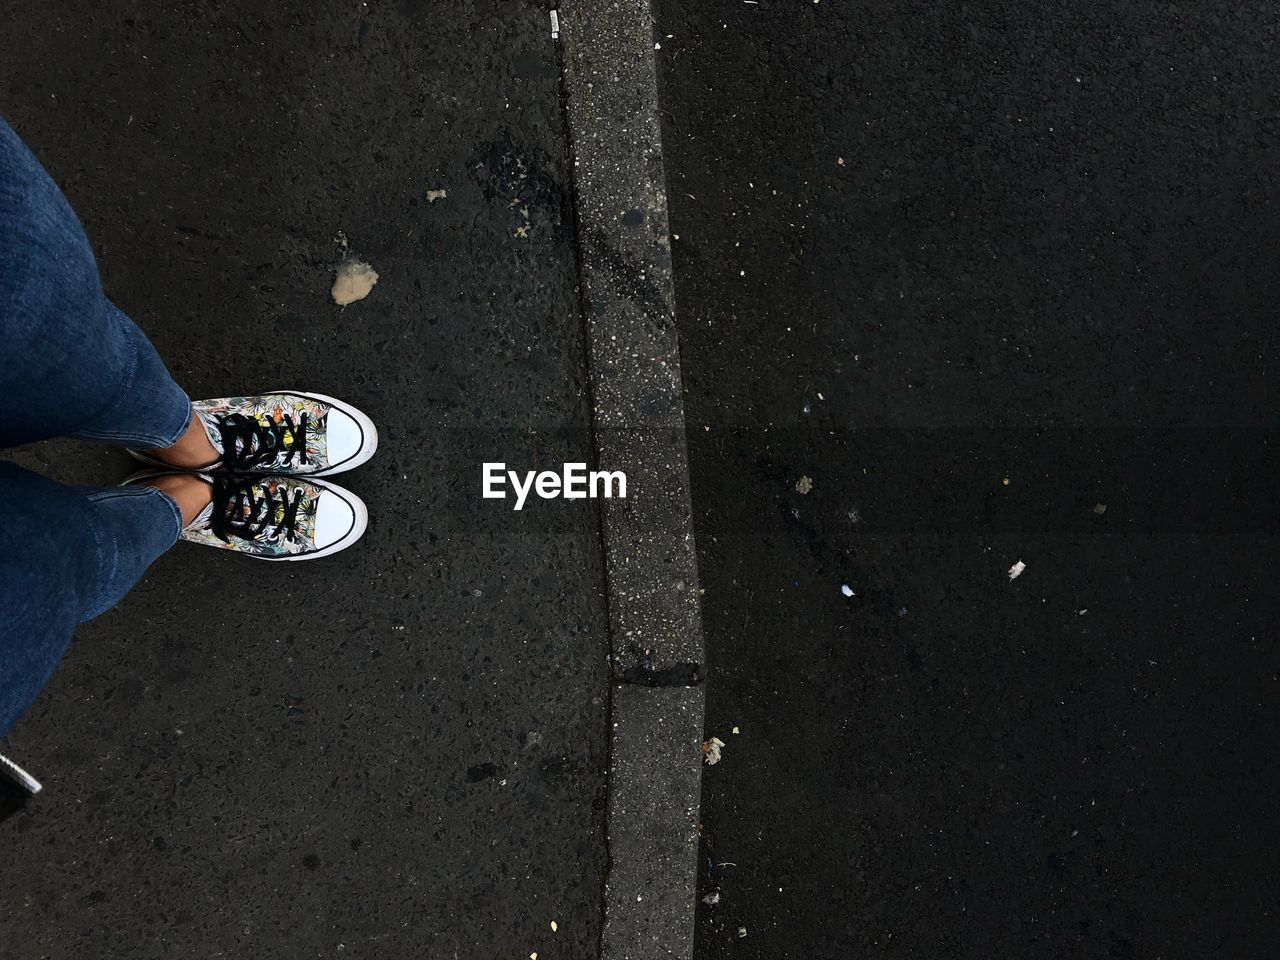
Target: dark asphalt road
x=400, y=751
x=975, y=271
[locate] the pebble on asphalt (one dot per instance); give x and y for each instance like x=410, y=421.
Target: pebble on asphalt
x=711, y=750
x=1016, y=570
x=354, y=280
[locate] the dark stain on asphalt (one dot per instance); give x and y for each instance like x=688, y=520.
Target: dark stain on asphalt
x=627, y=275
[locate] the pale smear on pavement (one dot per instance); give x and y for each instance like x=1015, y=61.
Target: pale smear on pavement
x=354, y=281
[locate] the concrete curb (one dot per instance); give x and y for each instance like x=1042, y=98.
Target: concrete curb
x=633, y=360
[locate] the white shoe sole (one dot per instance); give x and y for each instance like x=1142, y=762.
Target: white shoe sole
x=12, y=773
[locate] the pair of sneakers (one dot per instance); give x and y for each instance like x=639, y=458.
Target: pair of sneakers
x=266, y=496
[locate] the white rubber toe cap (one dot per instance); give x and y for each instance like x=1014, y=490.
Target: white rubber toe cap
x=341, y=520
x=350, y=436
x=346, y=439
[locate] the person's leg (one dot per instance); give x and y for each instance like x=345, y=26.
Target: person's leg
x=66, y=555
x=70, y=362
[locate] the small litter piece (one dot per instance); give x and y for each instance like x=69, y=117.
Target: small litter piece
x=804, y=485
x=554, y=926
x=735, y=730
x=1016, y=570
x=742, y=932
x=847, y=590
x=1099, y=508
x=712, y=898
x=711, y=750
x=354, y=281
x=434, y=195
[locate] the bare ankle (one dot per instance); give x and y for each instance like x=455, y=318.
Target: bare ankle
x=192, y=450
x=190, y=493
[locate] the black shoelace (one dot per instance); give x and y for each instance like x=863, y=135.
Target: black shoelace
x=249, y=509
x=247, y=444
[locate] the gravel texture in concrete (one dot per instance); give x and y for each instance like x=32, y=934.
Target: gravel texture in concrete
x=610, y=85
x=653, y=823
x=611, y=102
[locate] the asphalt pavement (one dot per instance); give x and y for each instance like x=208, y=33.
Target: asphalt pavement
x=976, y=332
x=964, y=291
x=400, y=751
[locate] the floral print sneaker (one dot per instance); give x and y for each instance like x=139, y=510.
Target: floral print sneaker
x=278, y=517
x=284, y=432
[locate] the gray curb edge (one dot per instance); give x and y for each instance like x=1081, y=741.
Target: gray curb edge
x=609, y=77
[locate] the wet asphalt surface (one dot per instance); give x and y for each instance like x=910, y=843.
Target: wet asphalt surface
x=400, y=751
x=994, y=285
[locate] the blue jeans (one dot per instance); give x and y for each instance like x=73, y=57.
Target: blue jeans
x=71, y=364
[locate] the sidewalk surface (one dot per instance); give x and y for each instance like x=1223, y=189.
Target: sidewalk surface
x=999, y=281
x=399, y=751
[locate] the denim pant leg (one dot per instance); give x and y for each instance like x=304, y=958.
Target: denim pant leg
x=71, y=364
x=66, y=554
